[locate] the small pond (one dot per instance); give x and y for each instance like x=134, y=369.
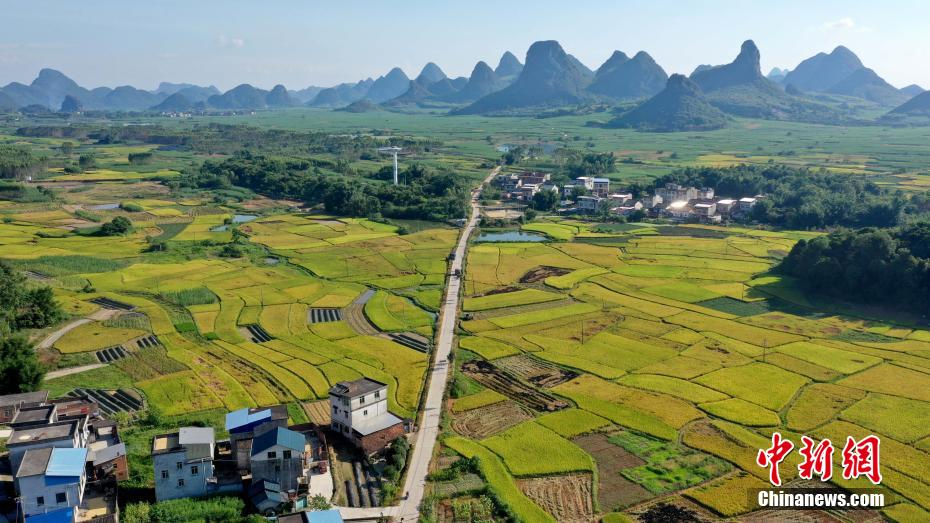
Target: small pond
x=510, y=236
x=237, y=218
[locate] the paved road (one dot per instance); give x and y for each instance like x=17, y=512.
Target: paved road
x=425, y=439
x=425, y=442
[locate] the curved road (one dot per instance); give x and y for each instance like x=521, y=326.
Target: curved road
x=425, y=439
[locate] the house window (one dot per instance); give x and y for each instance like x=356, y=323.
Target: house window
x=365, y=412
x=362, y=400
x=180, y=465
x=164, y=474
x=287, y=454
x=61, y=497
x=195, y=470
x=40, y=500
x=272, y=455
x=377, y=394
x=180, y=482
x=335, y=409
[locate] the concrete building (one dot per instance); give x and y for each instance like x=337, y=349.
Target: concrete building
x=11, y=403
x=746, y=204
x=585, y=181
x=68, y=434
x=726, y=206
x=588, y=204
x=360, y=413
x=279, y=457
x=600, y=187
x=672, y=192
x=245, y=424
x=678, y=211
x=183, y=463
x=51, y=479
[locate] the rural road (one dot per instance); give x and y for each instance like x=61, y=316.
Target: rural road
x=50, y=340
x=425, y=442
x=425, y=439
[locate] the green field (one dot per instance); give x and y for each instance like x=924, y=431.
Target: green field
x=677, y=343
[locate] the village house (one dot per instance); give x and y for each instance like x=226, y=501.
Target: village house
x=600, y=187
x=183, y=463
x=588, y=204
x=245, y=424
x=585, y=181
x=626, y=210
x=51, y=479
x=360, y=414
x=706, y=211
x=746, y=204
x=620, y=198
x=69, y=434
x=726, y=206
x=11, y=403
x=678, y=211
x=279, y=457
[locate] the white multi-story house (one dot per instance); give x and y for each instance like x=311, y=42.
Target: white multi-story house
x=183, y=463
x=600, y=187
x=360, y=413
x=51, y=479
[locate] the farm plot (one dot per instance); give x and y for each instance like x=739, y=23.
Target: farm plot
x=521, y=446
x=486, y=421
x=614, y=491
x=508, y=299
x=567, y=498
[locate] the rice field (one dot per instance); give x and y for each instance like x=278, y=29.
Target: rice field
x=686, y=338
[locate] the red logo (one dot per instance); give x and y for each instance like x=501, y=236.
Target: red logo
x=859, y=458
x=774, y=455
x=817, y=460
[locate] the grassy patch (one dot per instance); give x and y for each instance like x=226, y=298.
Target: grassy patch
x=669, y=466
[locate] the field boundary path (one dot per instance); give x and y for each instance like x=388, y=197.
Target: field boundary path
x=50, y=340
x=428, y=430
x=72, y=370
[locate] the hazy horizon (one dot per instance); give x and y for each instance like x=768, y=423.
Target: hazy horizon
x=108, y=43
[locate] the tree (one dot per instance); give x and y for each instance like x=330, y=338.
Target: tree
x=39, y=309
x=87, y=161
x=545, y=200
x=66, y=148
x=20, y=370
x=116, y=227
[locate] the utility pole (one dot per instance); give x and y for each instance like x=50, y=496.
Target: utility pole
x=393, y=151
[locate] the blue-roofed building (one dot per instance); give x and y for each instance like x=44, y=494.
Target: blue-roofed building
x=244, y=424
x=280, y=456
x=65, y=515
x=324, y=516
x=51, y=479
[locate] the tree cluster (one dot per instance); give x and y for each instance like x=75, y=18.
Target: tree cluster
x=801, y=198
x=19, y=162
x=22, y=307
x=429, y=194
x=874, y=266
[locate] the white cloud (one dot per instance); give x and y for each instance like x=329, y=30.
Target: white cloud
x=845, y=23
x=224, y=41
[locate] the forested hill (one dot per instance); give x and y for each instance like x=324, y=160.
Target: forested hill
x=429, y=195
x=801, y=198
x=872, y=266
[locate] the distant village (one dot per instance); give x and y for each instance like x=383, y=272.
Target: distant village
x=66, y=456
x=591, y=195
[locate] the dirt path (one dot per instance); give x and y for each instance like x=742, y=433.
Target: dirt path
x=73, y=370
x=50, y=340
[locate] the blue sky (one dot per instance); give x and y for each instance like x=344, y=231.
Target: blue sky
x=300, y=43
